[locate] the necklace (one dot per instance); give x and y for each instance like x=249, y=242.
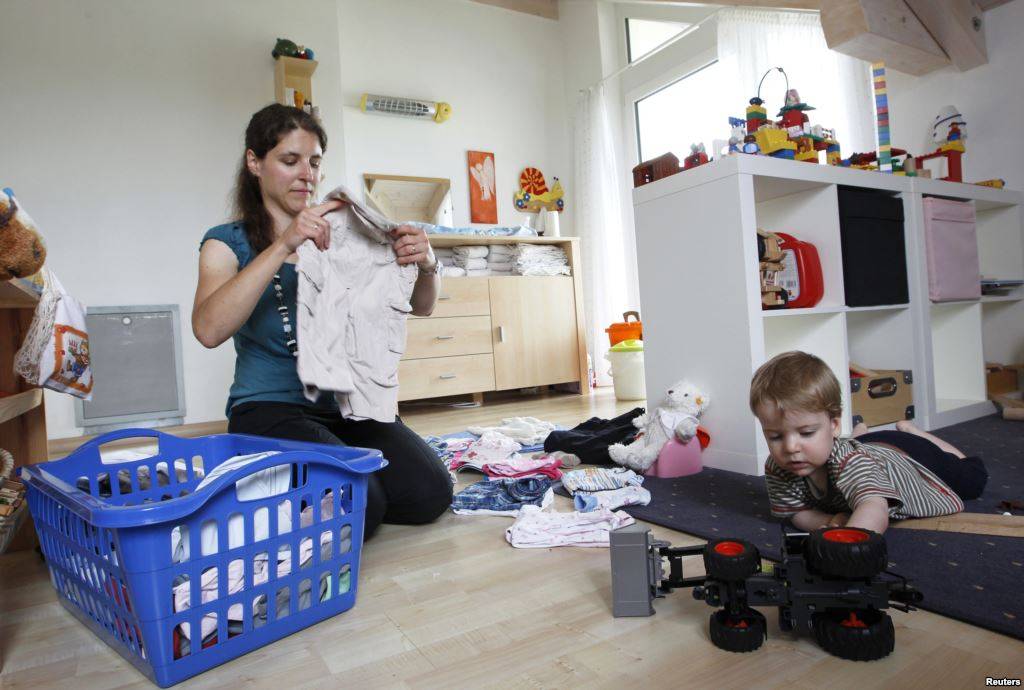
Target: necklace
x=286, y=323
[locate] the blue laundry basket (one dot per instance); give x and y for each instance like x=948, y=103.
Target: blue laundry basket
x=124, y=541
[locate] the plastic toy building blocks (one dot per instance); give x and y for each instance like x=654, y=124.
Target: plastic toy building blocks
x=771, y=141
x=831, y=584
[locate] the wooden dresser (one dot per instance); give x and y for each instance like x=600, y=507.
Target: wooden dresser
x=498, y=333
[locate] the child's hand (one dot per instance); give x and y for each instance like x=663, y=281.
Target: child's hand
x=838, y=520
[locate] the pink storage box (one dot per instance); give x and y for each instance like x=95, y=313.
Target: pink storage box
x=951, y=241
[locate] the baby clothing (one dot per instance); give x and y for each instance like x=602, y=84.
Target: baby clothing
x=503, y=496
x=353, y=302
x=586, y=501
x=600, y=479
x=526, y=430
x=491, y=447
x=535, y=528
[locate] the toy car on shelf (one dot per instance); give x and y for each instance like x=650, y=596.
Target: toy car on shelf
x=831, y=584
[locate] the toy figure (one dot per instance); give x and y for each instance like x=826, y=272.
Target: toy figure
x=750, y=144
x=793, y=117
x=697, y=156
x=949, y=125
x=676, y=416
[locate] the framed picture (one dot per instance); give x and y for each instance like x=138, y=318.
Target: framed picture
x=483, y=200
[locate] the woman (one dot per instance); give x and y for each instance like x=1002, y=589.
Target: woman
x=242, y=267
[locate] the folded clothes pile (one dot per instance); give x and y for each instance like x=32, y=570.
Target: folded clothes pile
x=540, y=260
x=446, y=255
x=472, y=258
x=501, y=259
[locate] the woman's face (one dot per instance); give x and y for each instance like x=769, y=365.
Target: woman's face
x=290, y=171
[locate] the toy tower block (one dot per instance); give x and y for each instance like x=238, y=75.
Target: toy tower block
x=882, y=116
x=756, y=115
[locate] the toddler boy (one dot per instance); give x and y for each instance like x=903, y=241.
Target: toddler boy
x=817, y=479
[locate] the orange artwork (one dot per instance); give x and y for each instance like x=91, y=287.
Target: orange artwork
x=483, y=200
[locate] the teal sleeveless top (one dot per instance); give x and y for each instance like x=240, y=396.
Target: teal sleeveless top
x=264, y=368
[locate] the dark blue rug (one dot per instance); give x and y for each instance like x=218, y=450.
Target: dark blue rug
x=973, y=578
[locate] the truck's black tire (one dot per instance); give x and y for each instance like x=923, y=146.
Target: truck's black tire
x=731, y=560
x=860, y=635
x=846, y=552
x=743, y=633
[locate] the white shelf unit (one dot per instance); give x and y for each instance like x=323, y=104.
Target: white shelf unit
x=700, y=294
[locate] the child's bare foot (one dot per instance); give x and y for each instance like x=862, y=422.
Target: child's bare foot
x=860, y=429
x=910, y=428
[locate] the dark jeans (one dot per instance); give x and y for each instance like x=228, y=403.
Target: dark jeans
x=413, y=489
x=966, y=476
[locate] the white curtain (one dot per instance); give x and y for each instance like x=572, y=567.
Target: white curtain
x=750, y=42
x=606, y=234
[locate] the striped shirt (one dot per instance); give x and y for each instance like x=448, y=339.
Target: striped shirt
x=857, y=471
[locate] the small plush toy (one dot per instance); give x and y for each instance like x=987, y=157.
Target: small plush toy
x=22, y=252
x=677, y=415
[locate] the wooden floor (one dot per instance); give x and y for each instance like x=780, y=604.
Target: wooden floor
x=452, y=605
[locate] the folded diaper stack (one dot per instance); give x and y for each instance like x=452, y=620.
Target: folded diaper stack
x=473, y=259
x=446, y=255
x=540, y=260
x=501, y=259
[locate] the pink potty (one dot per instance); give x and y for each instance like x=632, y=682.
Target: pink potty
x=677, y=459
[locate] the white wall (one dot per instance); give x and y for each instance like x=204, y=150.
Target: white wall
x=124, y=121
x=501, y=71
x=991, y=98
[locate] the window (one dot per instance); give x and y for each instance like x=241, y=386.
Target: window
x=644, y=35
x=690, y=110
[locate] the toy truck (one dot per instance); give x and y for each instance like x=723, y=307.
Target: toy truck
x=831, y=584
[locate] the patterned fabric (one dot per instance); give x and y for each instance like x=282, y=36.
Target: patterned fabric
x=600, y=479
x=857, y=471
x=537, y=529
x=504, y=496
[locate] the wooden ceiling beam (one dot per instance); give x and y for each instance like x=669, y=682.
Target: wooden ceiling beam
x=886, y=30
x=957, y=26
x=541, y=8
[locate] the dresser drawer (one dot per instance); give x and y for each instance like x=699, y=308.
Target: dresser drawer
x=432, y=378
x=446, y=337
x=462, y=297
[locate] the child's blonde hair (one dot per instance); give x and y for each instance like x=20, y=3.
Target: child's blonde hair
x=797, y=381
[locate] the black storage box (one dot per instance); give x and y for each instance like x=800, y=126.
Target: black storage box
x=874, y=254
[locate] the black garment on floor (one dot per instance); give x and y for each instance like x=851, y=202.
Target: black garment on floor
x=590, y=440
x=412, y=490
x=966, y=476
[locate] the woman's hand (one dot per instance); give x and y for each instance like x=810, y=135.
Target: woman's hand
x=412, y=246
x=310, y=225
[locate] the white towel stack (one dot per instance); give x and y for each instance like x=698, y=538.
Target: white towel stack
x=501, y=259
x=541, y=260
x=473, y=258
x=445, y=254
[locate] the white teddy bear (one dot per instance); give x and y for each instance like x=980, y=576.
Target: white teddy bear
x=678, y=415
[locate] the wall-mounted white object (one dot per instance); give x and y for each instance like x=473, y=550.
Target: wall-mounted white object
x=407, y=107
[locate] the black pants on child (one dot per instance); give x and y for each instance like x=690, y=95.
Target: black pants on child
x=966, y=476
x=413, y=489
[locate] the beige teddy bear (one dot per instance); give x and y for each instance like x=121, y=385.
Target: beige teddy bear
x=677, y=415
